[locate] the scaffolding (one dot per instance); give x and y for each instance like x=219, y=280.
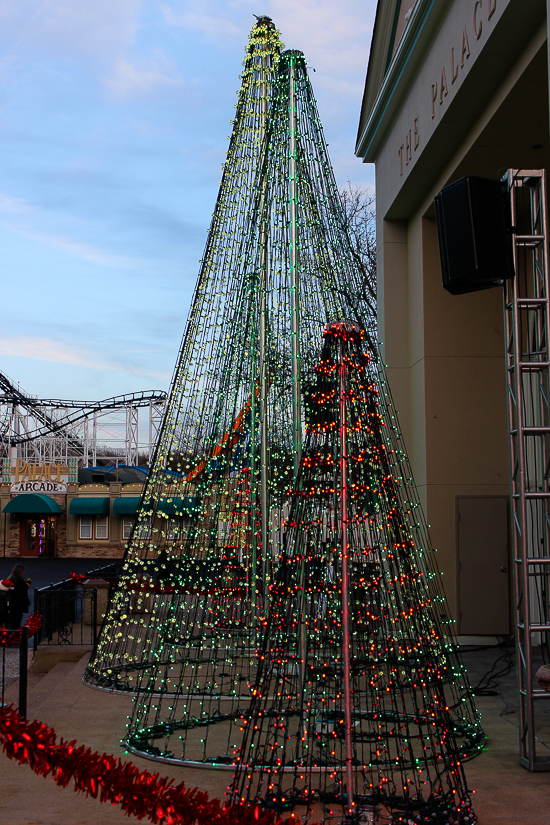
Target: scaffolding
x=528, y=370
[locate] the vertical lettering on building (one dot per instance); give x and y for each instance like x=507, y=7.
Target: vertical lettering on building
x=481, y=10
x=454, y=69
x=434, y=98
x=465, y=47
x=411, y=144
x=478, y=25
x=443, y=91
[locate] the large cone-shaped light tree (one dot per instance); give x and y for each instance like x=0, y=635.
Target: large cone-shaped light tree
x=184, y=622
x=203, y=562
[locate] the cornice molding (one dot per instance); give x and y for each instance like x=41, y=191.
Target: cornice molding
x=378, y=58
x=423, y=25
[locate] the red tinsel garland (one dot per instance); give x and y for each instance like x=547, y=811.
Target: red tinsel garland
x=79, y=577
x=12, y=638
x=139, y=793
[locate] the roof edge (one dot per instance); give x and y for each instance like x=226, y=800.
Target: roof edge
x=378, y=56
x=423, y=25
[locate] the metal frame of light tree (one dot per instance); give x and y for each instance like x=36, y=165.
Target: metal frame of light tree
x=207, y=419
x=527, y=322
x=308, y=252
x=361, y=702
x=192, y=645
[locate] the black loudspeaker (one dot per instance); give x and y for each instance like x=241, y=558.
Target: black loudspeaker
x=474, y=233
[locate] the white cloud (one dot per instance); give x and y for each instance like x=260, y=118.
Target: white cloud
x=11, y=204
x=100, y=31
x=86, y=251
x=128, y=80
x=195, y=16
x=21, y=218
x=70, y=27
x=57, y=352
x=333, y=36
x=79, y=248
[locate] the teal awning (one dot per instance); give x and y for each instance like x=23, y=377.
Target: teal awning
x=89, y=506
x=126, y=506
x=178, y=506
x=32, y=503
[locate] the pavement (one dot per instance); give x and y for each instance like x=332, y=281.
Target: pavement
x=504, y=791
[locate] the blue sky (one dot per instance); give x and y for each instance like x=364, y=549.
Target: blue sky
x=114, y=124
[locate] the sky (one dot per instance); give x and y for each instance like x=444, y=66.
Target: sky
x=114, y=124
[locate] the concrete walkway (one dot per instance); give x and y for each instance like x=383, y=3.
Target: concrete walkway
x=504, y=792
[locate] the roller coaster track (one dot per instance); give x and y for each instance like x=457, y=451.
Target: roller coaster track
x=48, y=424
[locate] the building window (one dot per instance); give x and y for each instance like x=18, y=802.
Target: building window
x=102, y=527
x=93, y=527
x=86, y=527
x=144, y=529
x=127, y=524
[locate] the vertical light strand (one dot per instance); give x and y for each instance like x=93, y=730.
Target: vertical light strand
x=294, y=287
x=264, y=286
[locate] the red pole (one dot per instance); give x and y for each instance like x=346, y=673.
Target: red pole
x=345, y=578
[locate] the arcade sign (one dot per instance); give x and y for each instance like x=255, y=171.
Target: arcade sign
x=39, y=478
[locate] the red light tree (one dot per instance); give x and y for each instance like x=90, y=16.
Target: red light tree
x=360, y=701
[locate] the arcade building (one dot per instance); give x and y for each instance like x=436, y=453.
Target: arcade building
x=59, y=511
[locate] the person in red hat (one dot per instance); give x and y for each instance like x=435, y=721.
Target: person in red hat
x=6, y=586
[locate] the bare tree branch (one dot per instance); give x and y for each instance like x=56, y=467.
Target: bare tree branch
x=359, y=208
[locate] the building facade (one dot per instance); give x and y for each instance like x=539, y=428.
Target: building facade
x=57, y=511
x=453, y=88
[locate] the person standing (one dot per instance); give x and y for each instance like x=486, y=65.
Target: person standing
x=6, y=586
x=18, y=598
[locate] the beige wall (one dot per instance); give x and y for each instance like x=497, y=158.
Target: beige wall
x=445, y=364
x=445, y=354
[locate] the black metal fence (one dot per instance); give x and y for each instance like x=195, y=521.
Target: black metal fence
x=14, y=651
x=70, y=613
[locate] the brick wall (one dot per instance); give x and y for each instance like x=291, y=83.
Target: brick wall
x=13, y=538
x=88, y=551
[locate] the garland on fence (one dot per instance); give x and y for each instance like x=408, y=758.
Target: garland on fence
x=100, y=775
x=12, y=638
x=148, y=587
x=79, y=577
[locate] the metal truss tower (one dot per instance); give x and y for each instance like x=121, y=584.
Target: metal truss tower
x=527, y=322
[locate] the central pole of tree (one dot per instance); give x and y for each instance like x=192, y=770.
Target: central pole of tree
x=345, y=576
x=294, y=289
x=264, y=422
